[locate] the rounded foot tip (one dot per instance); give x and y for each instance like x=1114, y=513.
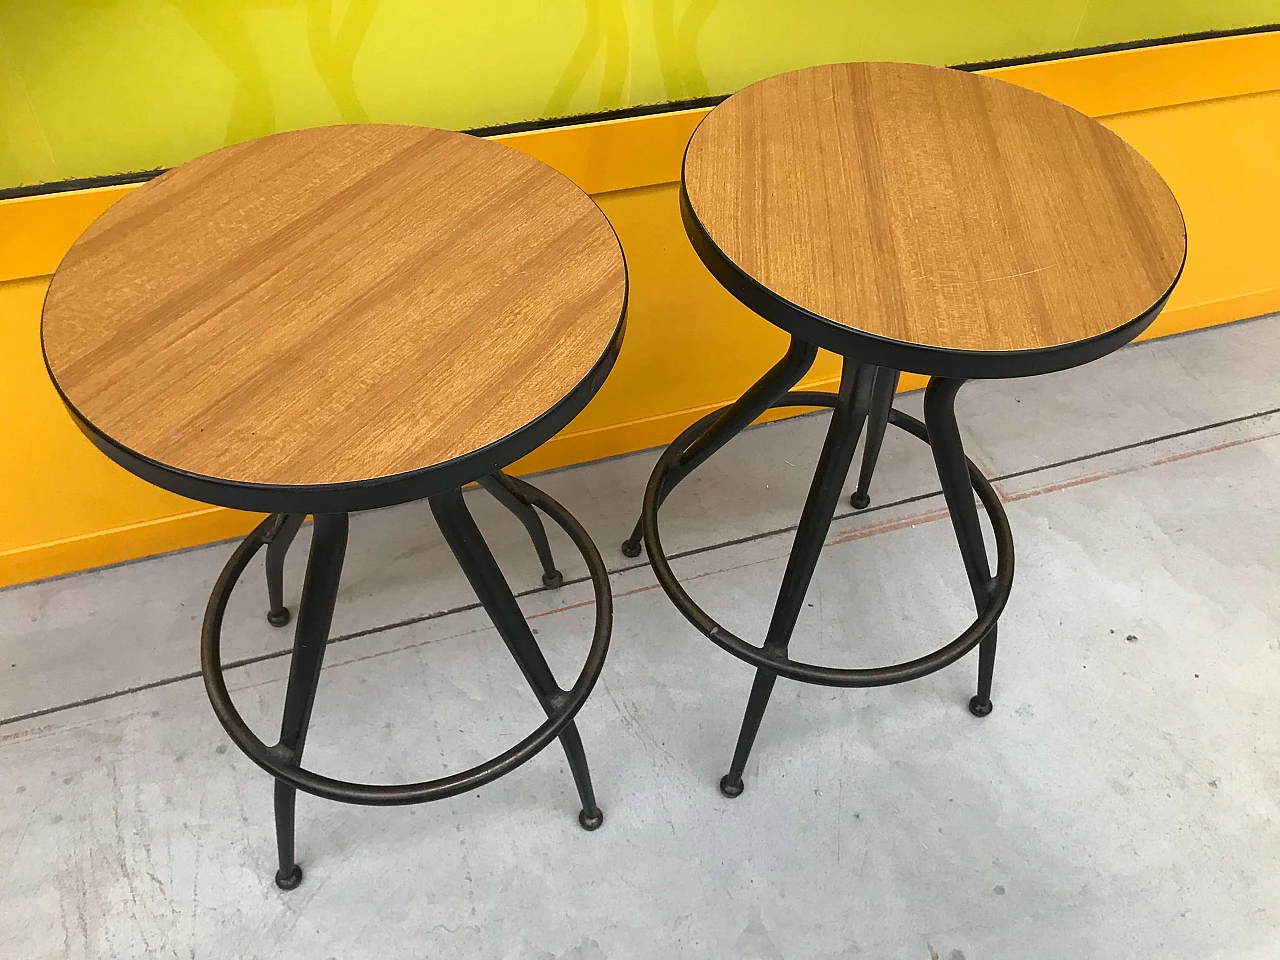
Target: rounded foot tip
x=730, y=788
x=591, y=821
x=278, y=618
x=630, y=549
x=552, y=579
x=860, y=501
x=979, y=708
x=290, y=880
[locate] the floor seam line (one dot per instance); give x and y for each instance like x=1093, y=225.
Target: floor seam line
x=695, y=551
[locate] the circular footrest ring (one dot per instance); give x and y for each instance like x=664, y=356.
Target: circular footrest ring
x=345, y=791
x=998, y=594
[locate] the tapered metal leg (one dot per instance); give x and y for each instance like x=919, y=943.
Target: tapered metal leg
x=482, y=571
x=506, y=494
x=763, y=394
x=882, y=392
x=761, y=690
x=315, y=617
x=953, y=472
x=284, y=528
x=824, y=493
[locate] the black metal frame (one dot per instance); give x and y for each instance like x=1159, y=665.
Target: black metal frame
x=865, y=391
x=285, y=526
x=319, y=595
x=886, y=385
x=503, y=489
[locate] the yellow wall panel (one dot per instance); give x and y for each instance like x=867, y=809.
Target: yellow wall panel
x=66, y=506
x=1169, y=75
x=35, y=234
x=690, y=347
x=1222, y=159
x=614, y=154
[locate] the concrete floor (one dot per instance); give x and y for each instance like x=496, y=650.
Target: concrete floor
x=1121, y=801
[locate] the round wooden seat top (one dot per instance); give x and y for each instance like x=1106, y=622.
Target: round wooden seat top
x=930, y=219
x=336, y=318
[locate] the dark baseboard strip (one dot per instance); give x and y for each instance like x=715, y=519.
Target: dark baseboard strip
x=80, y=183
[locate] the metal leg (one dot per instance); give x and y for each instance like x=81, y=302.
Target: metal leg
x=285, y=527
x=824, y=493
x=500, y=486
x=948, y=456
x=766, y=391
x=477, y=562
x=886, y=386
x=315, y=616
x=761, y=690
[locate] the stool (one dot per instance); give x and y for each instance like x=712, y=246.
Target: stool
x=908, y=218
x=335, y=320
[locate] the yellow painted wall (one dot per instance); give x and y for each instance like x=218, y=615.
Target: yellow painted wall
x=94, y=87
x=1207, y=114
x=66, y=506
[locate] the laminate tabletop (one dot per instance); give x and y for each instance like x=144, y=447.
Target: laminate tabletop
x=946, y=211
x=336, y=305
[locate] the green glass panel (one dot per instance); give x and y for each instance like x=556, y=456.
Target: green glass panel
x=95, y=87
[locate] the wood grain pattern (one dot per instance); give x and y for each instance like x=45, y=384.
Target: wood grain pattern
x=934, y=207
x=334, y=305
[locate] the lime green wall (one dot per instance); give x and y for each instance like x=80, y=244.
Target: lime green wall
x=91, y=87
